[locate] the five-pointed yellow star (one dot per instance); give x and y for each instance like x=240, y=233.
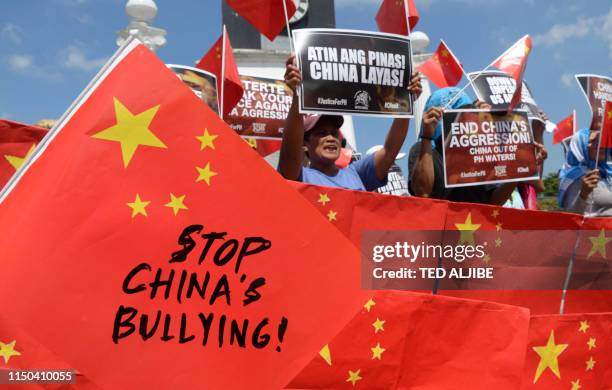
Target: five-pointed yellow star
x=609, y=114
x=323, y=198
x=467, y=230
x=17, y=162
x=486, y=258
x=354, y=377
x=498, y=242
x=138, y=206
x=331, y=215
x=326, y=354
x=599, y=244
x=444, y=53
x=590, y=363
x=205, y=174
x=368, y=305
x=207, y=140
x=8, y=350
x=498, y=227
x=131, y=131
x=495, y=213
x=378, y=325
x=377, y=352
x=584, y=326
x=576, y=384
x=176, y=203
x=591, y=343
x=548, y=357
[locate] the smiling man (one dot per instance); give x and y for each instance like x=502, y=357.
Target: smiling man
x=318, y=137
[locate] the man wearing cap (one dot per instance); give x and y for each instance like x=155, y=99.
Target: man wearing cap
x=318, y=137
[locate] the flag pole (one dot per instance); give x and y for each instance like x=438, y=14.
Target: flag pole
x=288, y=27
x=222, y=71
x=407, y=11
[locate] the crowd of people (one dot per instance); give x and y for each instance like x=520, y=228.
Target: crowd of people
x=312, y=143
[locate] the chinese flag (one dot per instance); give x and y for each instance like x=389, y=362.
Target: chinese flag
x=128, y=249
x=569, y=352
x=220, y=61
x=17, y=142
x=606, y=127
x=391, y=16
x=267, y=16
x=443, y=68
x=406, y=340
x=514, y=62
x=565, y=129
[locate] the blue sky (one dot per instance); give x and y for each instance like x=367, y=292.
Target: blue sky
x=49, y=50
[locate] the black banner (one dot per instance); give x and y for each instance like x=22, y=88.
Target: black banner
x=353, y=72
x=597, y=90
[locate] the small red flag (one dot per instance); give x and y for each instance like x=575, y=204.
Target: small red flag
x=443, y=69
x=220, y=61
x=514, y=62
x=565, y=129
x=606, y=127
x=267, y=16
x=17, y=142
x=391, y=16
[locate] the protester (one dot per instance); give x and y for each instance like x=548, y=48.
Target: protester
x=529, y=190
x=318, y=137
x=397, y=184
x=586, y=187
x=425, y=163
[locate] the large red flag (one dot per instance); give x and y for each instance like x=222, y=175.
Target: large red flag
x=17, y=142
x=606, y=127
x=514, y=62
x=569, y=352
x=267, y=16
x=443, y=69
x=565, y=129
x=128, y=249
x=220, y=61
x=405, y=340
x=391, y=16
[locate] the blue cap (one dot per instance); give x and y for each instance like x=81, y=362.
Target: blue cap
x=441, y=97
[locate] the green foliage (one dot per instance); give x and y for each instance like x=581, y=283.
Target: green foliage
x=551, y=184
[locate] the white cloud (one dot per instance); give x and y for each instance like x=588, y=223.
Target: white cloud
x=597, y=26
x=568, y=80
x=74, y=58
x=84, y=19
x=21, y=62
x=12, y=32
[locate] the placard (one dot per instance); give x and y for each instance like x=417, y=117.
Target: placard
x=597, y=90
x=201, y=82
x=354, y=72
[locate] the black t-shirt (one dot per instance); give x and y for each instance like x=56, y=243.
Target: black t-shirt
x=473, y=194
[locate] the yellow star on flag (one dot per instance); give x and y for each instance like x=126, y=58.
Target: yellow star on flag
x=486, y=258
x=138, y=206
x=377, y=352
x=599, y=244
x=444, y=53
x=354, y=377
x=131, y=131
x=378, y=325
x=495, y=213
x=205, y=174
x=176, y=203
x=323, y=198
x=207, y=140
x=368, y=305
x=332, y=215
x=584, y=326
x=591, y=343
x=8, y=350
x=467, y=230
x=16, y=162
x=548, y=357
x=498, y=227
x=326, y=354
x=498, y=242
x=576, y=384
x=609, y=114
x=590, y=363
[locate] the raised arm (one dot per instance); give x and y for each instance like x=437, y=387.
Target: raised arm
x=423, y=174
x=292, y=151
x=384, y=158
